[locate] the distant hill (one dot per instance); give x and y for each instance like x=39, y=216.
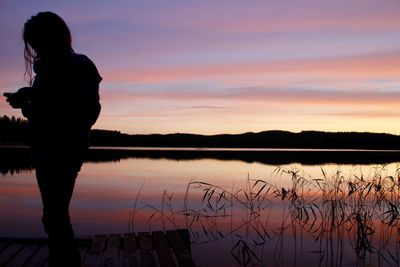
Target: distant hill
x=266, y=139
x=13, y=132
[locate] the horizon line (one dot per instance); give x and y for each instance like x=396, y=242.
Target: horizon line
x=250, y=132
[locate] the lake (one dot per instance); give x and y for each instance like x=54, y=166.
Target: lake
x=255, y=208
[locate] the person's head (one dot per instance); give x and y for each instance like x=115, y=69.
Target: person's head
x=45, y=35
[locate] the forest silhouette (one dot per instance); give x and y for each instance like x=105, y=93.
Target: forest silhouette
x=13, y=132
x=14, y=154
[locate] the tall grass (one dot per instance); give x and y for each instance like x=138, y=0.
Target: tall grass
x=334, y=218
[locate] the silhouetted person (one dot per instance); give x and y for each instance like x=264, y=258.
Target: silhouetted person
x=61, y=105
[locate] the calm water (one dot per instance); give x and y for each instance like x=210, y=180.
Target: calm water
x=232, y=217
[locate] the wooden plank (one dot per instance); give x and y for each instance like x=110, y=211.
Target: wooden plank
x=12, y=240
x=129, y=251
x=95, y=255
x=112, y=254
x=3, y=246
x=9, y=252
x=147, y=257
x=163, y=251
x=83, y=250
x=181, y=252
x=129, y=258
x=39, y=259
x=83, y=246
x=185, y=235
x=23, y=256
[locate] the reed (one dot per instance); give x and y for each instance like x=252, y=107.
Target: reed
x=345, y=218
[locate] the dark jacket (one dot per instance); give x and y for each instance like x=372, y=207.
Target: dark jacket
x=64, y=104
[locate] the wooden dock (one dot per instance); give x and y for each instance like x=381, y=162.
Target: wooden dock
x=170, y=248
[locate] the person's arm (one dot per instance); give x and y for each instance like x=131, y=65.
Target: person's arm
x=20, y=99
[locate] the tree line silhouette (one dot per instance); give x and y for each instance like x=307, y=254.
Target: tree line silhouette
x=14, y=132
x=266, y=139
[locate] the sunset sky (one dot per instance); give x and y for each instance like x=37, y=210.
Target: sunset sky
x=228, y=66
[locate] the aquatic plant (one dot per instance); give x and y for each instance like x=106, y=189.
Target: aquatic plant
x=339, y=217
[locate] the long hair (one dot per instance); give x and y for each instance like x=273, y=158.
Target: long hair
x=45, y=32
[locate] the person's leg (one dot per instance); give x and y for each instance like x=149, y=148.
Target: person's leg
x=56, y=183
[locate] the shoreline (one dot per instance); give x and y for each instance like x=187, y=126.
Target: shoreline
x=16, y=158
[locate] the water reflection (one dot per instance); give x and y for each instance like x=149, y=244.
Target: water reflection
x=16, y=159
x=295, y=215
x=328, y=221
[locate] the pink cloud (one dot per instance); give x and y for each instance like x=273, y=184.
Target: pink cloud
x=266, y=95
x=354, y=74
x=357, y=67
x=264, y=16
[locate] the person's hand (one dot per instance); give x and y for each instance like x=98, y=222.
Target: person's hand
x=19, y=98
x=12, y=99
